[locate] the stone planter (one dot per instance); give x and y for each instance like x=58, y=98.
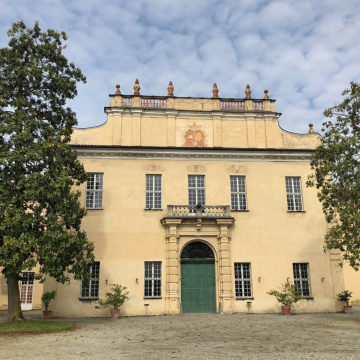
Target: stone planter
x=46, y=314
x=285, y=310
x=347, y=309
x=115, y=313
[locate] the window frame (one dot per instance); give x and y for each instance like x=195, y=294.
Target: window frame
x=93, y=191
x=301, y=279
x=196, y=189
x=153, y=192
x=238, y=193
x=242, y=281
x=91, y=284
x=153, y=278
x=293, y=194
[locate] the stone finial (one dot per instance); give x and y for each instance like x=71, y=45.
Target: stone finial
x=311, y=130
x=118, y=92
x=266, y=94
x=137, y=87
x=170, y=89
x=215, y=91
x=247, y=92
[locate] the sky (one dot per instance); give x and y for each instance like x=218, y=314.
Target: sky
x=305, y=53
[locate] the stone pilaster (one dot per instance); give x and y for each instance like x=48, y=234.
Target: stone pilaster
x=226, y=294
x=172, y=293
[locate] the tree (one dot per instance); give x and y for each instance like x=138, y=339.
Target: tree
x=40, y=215
x=337, y=177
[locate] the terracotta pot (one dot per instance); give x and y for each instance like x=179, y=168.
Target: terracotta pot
x=285, y=310
x=47, y=314
x=348, y=309
x=115, y=313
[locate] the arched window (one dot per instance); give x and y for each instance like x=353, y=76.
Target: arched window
x=197, y=250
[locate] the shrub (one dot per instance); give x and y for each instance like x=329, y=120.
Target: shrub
x=345, y=296
x=288, y=294
x=46, y=298
x=115, y=298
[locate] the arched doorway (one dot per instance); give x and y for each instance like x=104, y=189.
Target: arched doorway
x=198, y=294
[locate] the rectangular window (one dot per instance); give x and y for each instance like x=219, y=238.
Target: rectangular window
x=301, y=279
x=153, y=192
x=152, y=279
x=196, y=185
x=238, y=192
x=242, y=280
x=91, y=290
x=293, y=193
x=94, y=191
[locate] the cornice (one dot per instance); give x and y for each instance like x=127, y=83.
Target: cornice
x=219, y=154
x=229, y=114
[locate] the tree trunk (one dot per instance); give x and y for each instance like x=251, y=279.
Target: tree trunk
x=14, y=307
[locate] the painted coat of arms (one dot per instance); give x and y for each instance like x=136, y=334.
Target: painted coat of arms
x=194, y=136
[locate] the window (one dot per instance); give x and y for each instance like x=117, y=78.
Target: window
x=293, y=192
x=301, y=279
x=94, y=191
x=91, y=290
x=238, y=192
x=152, y=279
x=196, y=189
x=153, y=192
x=242, y=280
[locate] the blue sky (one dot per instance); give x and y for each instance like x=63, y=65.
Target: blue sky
x=304, y=52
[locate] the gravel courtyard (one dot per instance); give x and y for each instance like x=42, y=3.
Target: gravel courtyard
x=203, y=336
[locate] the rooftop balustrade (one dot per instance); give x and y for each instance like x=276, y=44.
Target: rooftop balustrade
x=214, y=103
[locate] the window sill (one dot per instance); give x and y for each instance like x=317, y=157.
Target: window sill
x=239, y=210
x=152, y=298
x=243, y=299
x=94, y=209
x=296, y=211
x=88, y=299
x=153, y=209
x=308, y=298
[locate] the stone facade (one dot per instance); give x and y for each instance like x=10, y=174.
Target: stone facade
x=217, y=138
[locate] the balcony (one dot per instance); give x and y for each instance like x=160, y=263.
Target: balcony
x=199, y=211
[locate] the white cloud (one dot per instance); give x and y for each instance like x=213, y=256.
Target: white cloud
x=304, y=52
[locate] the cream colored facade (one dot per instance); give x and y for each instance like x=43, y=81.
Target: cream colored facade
x=176, y=137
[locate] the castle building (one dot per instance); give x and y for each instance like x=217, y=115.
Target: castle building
x=200, y=205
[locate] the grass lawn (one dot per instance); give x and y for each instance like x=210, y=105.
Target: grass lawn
x=34, y=327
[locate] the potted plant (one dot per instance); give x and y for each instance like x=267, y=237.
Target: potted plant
x=287, y=295
x=345, y=296
x=114, y=300
x=46, y=298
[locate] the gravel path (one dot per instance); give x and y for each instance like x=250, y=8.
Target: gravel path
x=203, y=336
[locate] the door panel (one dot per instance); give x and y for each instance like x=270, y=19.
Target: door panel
x=198, y=286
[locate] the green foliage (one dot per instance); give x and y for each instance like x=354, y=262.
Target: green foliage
x=337, y=177
x=40, y=215
x=46, y=298
x=115, y=298
x=288, y=294
x=345, y=296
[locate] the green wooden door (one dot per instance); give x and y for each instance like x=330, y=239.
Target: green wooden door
x=198, y=286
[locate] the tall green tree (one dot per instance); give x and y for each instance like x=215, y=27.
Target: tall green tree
x=40, y=215
x=337, y=177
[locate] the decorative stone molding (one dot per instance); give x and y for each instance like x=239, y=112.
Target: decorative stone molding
x=118, y=92
x=236, y=169
x=194, y=136
x=124, y=152
x=196, y=168
x=266, y=94
x=153, y=167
